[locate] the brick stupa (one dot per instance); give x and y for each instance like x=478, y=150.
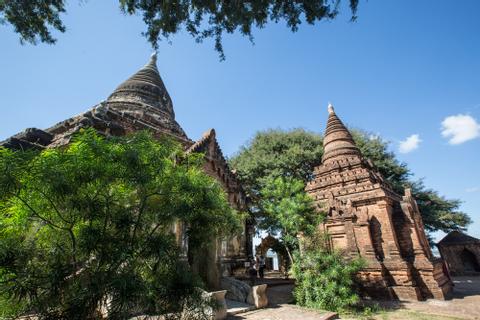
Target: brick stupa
x=366, y=217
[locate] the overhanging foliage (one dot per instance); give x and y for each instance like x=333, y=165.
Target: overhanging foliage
x=90, y=225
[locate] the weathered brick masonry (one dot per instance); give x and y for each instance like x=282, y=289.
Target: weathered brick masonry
x=461, y=253
x=366, y=217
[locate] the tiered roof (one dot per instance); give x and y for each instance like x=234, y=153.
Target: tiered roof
x=141, y=102
x=145, y=86
x=457, y=237
x=344, y=172
x=337, y=141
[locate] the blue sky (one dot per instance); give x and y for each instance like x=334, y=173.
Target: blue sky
x=400, y=70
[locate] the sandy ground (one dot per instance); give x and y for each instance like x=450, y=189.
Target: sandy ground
x=279, y=308
x=464, y=305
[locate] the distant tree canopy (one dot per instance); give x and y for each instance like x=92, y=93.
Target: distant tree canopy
x=90, y=225
x=34, y=19
x=276, y=153
x=279, y=153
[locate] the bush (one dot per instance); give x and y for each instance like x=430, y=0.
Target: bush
x=325, y=280
x=89, y=226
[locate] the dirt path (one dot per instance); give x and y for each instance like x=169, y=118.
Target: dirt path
x=281, y=312
x=464, y=305
x=279, y=297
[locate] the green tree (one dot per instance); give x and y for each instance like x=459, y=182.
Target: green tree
x=438, y=212
x=33, y=19
x=294, y=153
x=90, y=225
x=289, y=212
x=276, y=153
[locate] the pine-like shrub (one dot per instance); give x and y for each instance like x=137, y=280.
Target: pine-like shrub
x=87, y=229
x=325, y=280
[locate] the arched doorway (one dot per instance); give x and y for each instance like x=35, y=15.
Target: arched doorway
x=469, y=261
x=273, y=252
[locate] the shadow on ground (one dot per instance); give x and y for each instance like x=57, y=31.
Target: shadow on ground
x=465, y=302
x=466, y=287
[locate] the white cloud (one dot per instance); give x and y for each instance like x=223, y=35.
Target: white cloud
x=460, y=128
x=409, y=144
x=473, y=189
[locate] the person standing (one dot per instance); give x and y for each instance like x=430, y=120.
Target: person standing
x=261, y=266
x=252, y=272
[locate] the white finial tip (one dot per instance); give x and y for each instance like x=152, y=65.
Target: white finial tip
x=153, y=56
x=330, y=108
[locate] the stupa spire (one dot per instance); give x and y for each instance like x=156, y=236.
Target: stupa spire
x=337, y=141
x=153, y=58
x=330, y=108
x=145, y=86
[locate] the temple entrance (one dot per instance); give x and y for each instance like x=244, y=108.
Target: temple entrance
x=469, y=261
x=271, y=250
x=271, y=261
